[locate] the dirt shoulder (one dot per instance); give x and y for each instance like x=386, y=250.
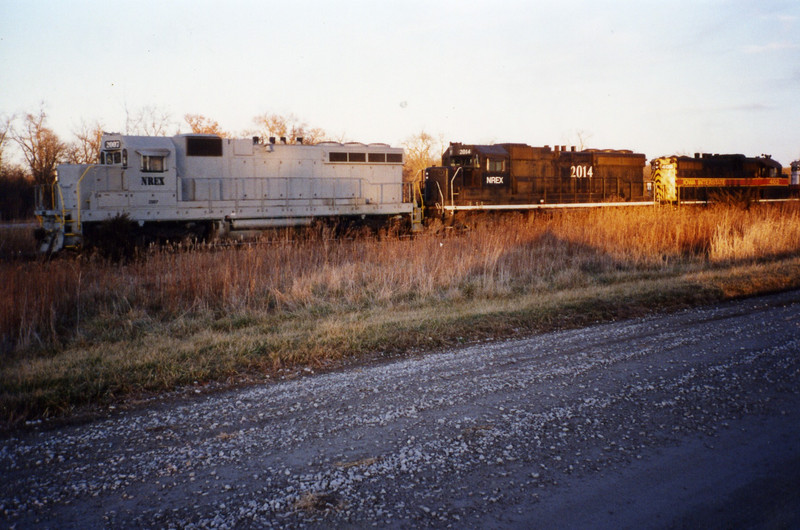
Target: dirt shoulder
x=655, y=421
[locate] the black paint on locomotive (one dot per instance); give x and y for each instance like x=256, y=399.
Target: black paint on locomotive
x=518, y=174
x=709, y=177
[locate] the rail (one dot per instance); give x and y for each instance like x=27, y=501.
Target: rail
x=442, y=204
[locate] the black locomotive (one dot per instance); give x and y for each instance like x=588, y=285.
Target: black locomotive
x=518, y=176
x=707, y=177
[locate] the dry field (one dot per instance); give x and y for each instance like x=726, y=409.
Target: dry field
x=78, y=330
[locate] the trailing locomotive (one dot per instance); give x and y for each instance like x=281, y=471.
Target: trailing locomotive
x=706, y=177
x=518, y=176
x=202, y=185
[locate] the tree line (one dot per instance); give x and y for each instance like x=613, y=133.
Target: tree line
x=42, y=150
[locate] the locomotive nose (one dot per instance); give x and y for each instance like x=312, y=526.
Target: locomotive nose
x=435, y=184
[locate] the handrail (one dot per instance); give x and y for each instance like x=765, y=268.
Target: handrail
x=452, y=196
x=41, y=196
x=78, y=191
x=416, y=188
x=417, y=202
x=63, y=206
x=417, y=198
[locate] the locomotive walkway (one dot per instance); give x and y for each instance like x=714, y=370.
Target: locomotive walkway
x=690, y=419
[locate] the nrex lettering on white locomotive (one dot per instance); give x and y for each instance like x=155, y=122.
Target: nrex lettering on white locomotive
x=152, y=181
x=200, y=185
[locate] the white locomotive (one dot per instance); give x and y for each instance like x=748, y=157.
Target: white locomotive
x=201, y=185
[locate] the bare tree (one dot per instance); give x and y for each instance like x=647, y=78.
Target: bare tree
x=582, y=139
x=40, y=146
x=314, y=135
x=5, y=135
x=289, y=127
x=199, y=124
x=422, y=151
x=86, y=148
x=148, y=121
x=16, y=197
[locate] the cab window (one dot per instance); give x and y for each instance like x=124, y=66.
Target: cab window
x=110, y=157
x=495, y=165
x=152, y=164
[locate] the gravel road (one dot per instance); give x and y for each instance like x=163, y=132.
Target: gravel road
x=683, y=420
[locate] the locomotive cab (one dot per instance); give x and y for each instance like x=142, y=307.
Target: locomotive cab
x=469, y=174
x=134, y=172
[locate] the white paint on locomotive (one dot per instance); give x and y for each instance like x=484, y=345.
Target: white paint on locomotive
x=233, y=183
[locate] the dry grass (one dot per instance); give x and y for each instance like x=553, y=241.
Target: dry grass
x=79, y=330
x=17, y=240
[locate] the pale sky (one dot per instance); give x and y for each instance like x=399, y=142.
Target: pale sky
x=658, y=77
